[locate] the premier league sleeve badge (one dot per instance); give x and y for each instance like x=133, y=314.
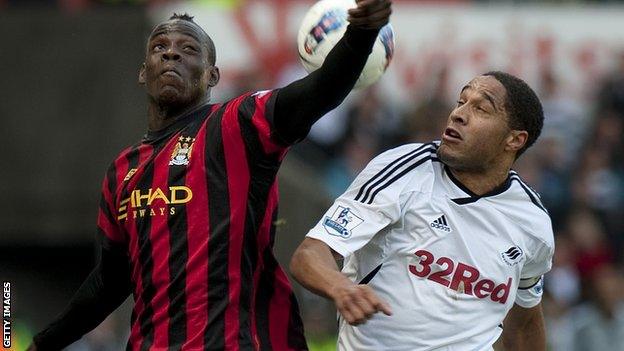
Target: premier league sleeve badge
x=342, y=222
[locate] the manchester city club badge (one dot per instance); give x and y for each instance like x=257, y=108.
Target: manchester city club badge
x=182, y=152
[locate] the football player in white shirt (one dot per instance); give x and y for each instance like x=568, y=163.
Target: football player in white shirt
x=444, y=239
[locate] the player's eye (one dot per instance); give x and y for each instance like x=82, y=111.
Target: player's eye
x=459, y=103
x=158, y=47
x=190, y=48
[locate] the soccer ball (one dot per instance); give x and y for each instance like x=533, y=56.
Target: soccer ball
x=324, y=25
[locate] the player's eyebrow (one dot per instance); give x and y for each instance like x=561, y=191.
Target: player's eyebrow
x=485, y=94
x=165, y=28
x=490, y=98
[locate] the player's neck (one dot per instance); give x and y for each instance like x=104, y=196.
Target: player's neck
x=161, y=116
x=481, y=182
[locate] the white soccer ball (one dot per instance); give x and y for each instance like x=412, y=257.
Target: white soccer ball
x=324, y=25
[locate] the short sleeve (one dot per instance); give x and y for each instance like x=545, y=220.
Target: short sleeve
x=531, y=286
x=110, y=232
x=370, y=204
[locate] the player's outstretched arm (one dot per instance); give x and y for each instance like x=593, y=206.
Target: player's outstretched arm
x=524, y=329
x=303, y=102
x=313, y=266
x=101, y=293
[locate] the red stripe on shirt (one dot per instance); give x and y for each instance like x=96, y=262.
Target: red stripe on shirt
x=260, y=122
x=135, y=339
x=238, y=185
x=264, y=240
x=279, y=313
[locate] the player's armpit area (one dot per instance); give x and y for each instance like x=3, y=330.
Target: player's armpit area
x=106, y=287
x=523, y=329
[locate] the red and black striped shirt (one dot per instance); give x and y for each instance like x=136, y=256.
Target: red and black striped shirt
x=194, y=206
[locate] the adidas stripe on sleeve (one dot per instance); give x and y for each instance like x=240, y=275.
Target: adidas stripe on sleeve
x=372, y=202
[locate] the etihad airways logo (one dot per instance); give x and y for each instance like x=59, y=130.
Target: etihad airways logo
x=154, y=202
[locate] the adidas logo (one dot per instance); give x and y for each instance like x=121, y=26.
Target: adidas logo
x=441, y=224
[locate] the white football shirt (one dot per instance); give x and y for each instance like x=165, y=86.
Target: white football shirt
x=449, y=262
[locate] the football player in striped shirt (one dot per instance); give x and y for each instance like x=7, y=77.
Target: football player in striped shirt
x=442, y=238
x=186, y=219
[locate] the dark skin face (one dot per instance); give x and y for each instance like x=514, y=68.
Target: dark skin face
x=177, y=73
x=478, y=143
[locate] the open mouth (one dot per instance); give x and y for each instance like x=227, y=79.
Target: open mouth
x=451, y=133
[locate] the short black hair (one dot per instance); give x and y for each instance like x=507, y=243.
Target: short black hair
x=524, y=107
x=212, y=52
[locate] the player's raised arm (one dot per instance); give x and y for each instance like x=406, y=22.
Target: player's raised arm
x=303, y=102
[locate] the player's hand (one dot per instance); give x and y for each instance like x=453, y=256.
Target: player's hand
x=370, y=14
x=358, y=303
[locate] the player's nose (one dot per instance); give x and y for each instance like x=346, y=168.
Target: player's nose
x=458, y=117
x=170, y=54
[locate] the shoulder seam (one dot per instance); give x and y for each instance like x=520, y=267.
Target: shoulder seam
x=526, y=230
x=533, y=196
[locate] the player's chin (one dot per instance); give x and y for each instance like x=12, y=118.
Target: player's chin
x=170, y=95
x=447, y=154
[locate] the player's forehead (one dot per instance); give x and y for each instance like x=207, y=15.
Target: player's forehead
x=182, y=27
x=487, y=87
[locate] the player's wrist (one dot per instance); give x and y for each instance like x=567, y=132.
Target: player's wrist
x=338, y=291
x=359, y=38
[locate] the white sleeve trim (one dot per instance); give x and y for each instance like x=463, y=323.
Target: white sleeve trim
x=333, y=244
x=530, y=296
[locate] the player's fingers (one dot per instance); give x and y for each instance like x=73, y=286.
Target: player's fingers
x=369, y=25
x=346, y=315
x=384, y=307
x=374, y=22
x=378, y=304
x=358, y=314
x=383, y=15
x=366, y=307
x=365, y=10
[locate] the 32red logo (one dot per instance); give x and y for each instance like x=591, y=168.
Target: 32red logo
x=459, y=273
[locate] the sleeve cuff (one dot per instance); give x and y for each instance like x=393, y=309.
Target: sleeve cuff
x=333, y=244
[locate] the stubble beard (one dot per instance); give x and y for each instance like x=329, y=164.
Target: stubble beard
x=463, y=164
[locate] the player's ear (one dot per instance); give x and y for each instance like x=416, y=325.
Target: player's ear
x=142, y=74
x=516, y=140
x=213, y=76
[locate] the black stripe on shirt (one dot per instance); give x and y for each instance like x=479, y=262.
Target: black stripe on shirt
x=218, y=243
x=266, y=288
x=143, y=228
x=296, y=339
x=370, y=275
x=262, y=172
x=374, y=179
x=400, y=175
x=532, y=196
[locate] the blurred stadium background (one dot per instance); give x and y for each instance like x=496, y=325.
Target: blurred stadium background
x=69, y=102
